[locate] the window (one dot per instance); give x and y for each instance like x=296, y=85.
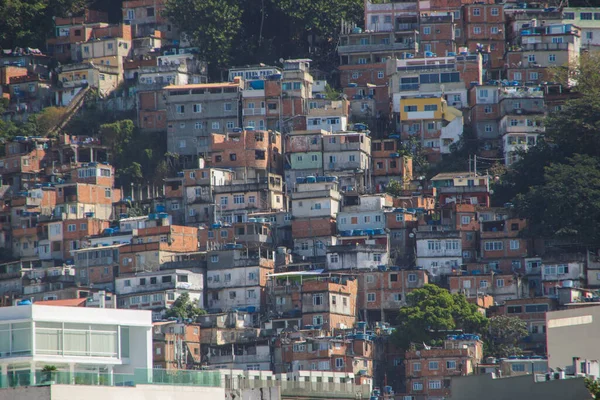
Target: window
x=108, y=193
x=488, y=127
x=251, y=294
x=483, y=93
x=426, y=30
x=533, y=76
x=317, y=299
x=355, y=75
x=410, y=108
x=518, y=367
x=514, y=309
x=214, y=258
x=517, y=76
x=494, y=12
x=431, y=107
x=197, y=108
x=483, y=284
x=238, y=199
x=227, y=106
x=586, y=16
x=536, y=308
x=531, y=58
x=557, y=40
x=318, y=320
x=362, y=61
x=514, y=245
x=370, y=279
x=380, y=74
x=371, y=297
x=590, y=35
x=180, y=108
x=434, y=245
x=399, y=217
x=493, y=246
x=494, y=30
x=333, y=258
x=457, y=32
x=451, y=364
x=339, y=362
x=500, y=283
x=477, y=30
x=412, y=278
x=71, y=228
x=215, y=125
x=433, y=365
x=551, y=57
x=232, y=295
x=476, y=12
x=416, y=367
x=452, y=245
x=487, y=109
x=569, y=15
x=435, y=384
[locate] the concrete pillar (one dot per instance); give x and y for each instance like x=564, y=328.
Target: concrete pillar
x=32, y=380
x=4, y=376
x=111, y=376
x=91, y=154
x=72, y=373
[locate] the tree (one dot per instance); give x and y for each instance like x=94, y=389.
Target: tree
x=184, y=308
x=566, y=204
x=503, y=335
x=394, y=188
x=431, y=312
x=211, y=25
x=582, y=74
x=594, y=387
x=48, y=118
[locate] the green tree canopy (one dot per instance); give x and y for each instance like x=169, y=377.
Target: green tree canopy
x=184, y=308
x=431, y=312
x=211, y=25
x=504, y=334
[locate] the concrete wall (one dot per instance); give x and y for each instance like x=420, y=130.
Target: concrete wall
x=140, y=392
x=572, y=333
x=477, y=387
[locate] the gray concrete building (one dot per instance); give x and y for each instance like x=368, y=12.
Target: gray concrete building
x=196, y=111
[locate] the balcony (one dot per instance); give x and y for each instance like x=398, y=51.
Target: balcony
x=544, y=46
x=373, y=48
x=253, y=111
x=241, y=359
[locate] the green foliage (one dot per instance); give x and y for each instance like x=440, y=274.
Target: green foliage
x=331, y=93
x=594, y=387
x=566, y=203
x=211, y=25
x=504, y=334
x=412, y=147
x=184, y=308
x=48, y=118
x=49, y=368
x=431, y=312
x=394, y=188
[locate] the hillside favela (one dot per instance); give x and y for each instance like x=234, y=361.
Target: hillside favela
x=299, y=199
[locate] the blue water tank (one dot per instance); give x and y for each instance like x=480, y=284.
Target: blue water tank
x=24, y=303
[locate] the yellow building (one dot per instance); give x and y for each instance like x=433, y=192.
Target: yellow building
x=432, y=121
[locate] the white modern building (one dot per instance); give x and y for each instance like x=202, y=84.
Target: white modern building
x=439, y=252
x=74, y=340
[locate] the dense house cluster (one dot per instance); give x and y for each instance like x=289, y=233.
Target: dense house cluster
x=280, y=222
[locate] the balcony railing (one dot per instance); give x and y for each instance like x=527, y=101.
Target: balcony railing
x=254, y=111
x=368, y=48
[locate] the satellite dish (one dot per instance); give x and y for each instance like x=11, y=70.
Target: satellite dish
x=26, y=185
x=411, y=235
x=281, y=60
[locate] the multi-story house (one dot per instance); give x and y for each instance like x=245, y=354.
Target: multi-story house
x=315, y=203
x=557, y=273
x=585, y=19
x=446, y=77
x=462, y=188
x=196, y=111
x=484, y=116
x=533, y=312
x=542, y=46
x=355, y=256
x=237, y=279
x=303, y=155
x=484, y=31
x=438, y=252
x=293, y=91
x=146, y=17
x=429, y=371
x=158, y=290
x=175, y=345
x=501, y=287
x=389, y=165
x=437, y=33
x=502, y=246
x=381, y=293
x=331, y=116
x=232, y=341
x=435, y=124
x=71, y=30
x=329, y=302
x=348, y=156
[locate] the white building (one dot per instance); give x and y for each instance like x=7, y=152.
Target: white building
x=159, y=289
x=74, y=339
x=351, y=257
x=315, y=199
x=439, y=252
